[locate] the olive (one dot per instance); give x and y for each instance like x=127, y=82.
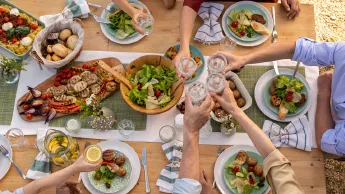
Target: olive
x=107, y=185
x=98, y=175
x=261, y=184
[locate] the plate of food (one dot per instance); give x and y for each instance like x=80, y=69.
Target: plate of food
x=121, y=30
x=18, y=29
x=114, y=174
x=290, y=99
x=239, y=170
x=156, y=87
x=5, y=163
x=195, y=53
x=248, y=22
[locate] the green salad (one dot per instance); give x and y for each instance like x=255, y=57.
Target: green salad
x=121, y=23
x=152, y=86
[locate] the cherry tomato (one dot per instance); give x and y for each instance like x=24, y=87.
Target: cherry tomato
x=60, y=73
x=234, y=24
x=69, y=75
x=6, y=19
x=2, y=10
x=3, y=40
x=14, y=40
x=58, y=78
x=289, y=97
x=251, y=181
x=19, y=22
x=1, y=31
x=236, y=169
x=250, y=168
x=92, y=69
x=29, y=116
x=85, y=66
x=44, y=96
x=56, y=84
x=26, y=107
x=74, y=72
x=158, y=93
x=34, y=26
x=63, y=76
x=67, y=70
x=243, y=32
x=50, y=95
x=139, y=86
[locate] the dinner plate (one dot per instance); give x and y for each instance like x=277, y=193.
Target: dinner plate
x=254, y=8
x=132, y=156
x=260, y=99
x=223, y=159
x=111, y=34
x=4, y=162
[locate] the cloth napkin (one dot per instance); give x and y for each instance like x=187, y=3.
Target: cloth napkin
x=41, y=165
x=167, y=177
x=73, y=9
x=296, y=134
x=211, y=31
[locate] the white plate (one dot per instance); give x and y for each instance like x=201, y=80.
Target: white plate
x=259, y=95
x=243, y=43
x=132, y=156
x=222, y=159
x=4, y=162
x=128, y=40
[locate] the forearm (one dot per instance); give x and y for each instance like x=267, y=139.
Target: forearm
x=187, y=19
x=125, y=6
x=47, y=182
x=190, y=157
x=323, y=117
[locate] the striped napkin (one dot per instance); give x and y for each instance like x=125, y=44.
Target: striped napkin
x=41, y=166
x=167, y=177
x=73, y=9
x=296, y=134
x=211, y=31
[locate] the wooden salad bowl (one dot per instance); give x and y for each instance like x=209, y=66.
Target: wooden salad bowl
x=155, y=60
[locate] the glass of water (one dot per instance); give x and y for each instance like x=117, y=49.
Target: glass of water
x=227, y=44
x=217, y=63
x=146, y=22
x=197, y=92
x=187, y=67
x=126, y=127
x=17, y=139
x=216, y=83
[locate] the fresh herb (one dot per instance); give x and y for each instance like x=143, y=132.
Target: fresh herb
x=121, y=23
x=21, y=31
x=247, y=189
x=60, y=139
x=10, y=65
x=91, y=107
x=10, y=33
x=250, y=31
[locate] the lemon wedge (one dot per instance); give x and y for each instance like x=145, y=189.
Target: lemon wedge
x=93, y=154
x=259, y=28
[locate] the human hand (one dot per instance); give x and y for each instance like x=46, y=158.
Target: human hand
x=206, y=183
x=196, y=117
x=81, y=165
x=177, y=59
x=293, y=7
x=226, y=100
x=324, y=83
x=234, y=62
x=135, y=20
x=68, y=187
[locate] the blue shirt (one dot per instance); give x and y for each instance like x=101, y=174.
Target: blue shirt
x=314, y=53
x=187, y=186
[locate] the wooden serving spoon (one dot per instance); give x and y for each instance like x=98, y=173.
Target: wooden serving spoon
x=117, y=75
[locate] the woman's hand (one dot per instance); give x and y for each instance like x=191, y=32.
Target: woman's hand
x=81, y=165
x=177, y=59
x=68, y=187
x=137, y=14
x=293, y=7
x=234, y=62
x=227, y=100
x=196, y=117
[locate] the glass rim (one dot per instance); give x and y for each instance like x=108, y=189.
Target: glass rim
x=216, y=55
x=79, y=122
x=194, y=68
x=90, y=146
x=20, y=133
x=169, y=127
x=195, y=83
x=222, y=78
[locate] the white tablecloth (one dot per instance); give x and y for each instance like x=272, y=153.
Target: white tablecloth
x=34, y=76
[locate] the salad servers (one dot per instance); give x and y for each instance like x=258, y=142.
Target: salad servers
x=99, y=19
x=275, y=36
x=143, y=162
x=4, y=151
x=108, y=8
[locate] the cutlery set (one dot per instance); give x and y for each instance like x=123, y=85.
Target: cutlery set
x=108, y=8
x=5, y=152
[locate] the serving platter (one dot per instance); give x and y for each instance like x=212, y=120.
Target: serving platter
x=112, y=62
x=5, y=162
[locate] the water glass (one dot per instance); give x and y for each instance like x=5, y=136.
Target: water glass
x=167, y=133
x=216, y=83
x=217, y=63
x=146, y=23
x=227, y=44
x=197, y=92
x=73, y=125
x=187, y=67
x=17, y=139
x=126, y=127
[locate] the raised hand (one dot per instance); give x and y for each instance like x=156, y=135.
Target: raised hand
x=293, y=8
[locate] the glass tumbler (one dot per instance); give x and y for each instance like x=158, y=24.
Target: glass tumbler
x=17, y=139
x=126, y=127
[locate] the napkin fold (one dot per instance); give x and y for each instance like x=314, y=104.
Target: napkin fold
x=167, y=177
x=211, y=31
x=73, y=9
x=41, y=165
x=296, y=134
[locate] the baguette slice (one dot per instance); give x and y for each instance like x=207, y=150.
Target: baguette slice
x=259, y=28
x=283, y=111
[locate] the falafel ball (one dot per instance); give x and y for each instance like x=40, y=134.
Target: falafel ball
x=108, y=155
x=252, y=161
x=237, y=94
x=258, y=170
x=120, y=160
x=232, y=85
x=121, y=172
x=241, y=102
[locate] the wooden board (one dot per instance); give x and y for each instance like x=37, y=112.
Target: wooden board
x=112, y=62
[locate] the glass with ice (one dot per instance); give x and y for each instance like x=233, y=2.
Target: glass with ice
x=146, y=23
x=217, y=63
x=187, y=67
x=216, y=83
x=197, y=92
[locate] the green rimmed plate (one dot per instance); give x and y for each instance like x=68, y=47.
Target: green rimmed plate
x=118, y=183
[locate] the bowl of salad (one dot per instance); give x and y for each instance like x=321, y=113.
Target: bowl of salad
x=156, y=87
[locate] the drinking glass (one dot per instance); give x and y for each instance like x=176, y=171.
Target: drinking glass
x=146, y=23
x=167, y=133
x=126, y=127
x=91, y=151
x=197, y=92
x=227, y=44
x=205, y=131
x=17, y=139
x=217, y=63
x=216, y=83
x=187, y=67
x=73, y=125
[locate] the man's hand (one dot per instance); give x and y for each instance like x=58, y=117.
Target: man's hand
x=68, y=187
x=177, y=59
x=196, y=117
x=293, y=7
x=81, y=165
x=226, y=100
x=324, y=84
x=135, y=20
x=206, y=183
x=234, y=62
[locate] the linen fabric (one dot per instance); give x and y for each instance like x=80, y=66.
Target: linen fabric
x=17, y=191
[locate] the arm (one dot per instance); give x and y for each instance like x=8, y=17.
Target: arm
x=126, y=7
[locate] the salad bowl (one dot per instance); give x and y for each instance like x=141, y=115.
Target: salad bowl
x=137, y=65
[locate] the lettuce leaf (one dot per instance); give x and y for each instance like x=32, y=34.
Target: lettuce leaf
x=137, y=96
x=291, y=107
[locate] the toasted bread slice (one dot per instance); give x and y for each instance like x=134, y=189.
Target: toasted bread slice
x=283, y=111
x=241, y=157
x=235, y=31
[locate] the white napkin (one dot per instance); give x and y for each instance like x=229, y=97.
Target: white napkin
x=73, y=9
x=211, y=31
x=167, y=177
x=296, y=134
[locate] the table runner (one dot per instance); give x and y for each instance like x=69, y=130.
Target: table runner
x=7, y=101
x=154, y=122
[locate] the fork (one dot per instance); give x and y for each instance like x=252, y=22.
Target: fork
x=220, y=150
x=4, y=151
x=86, y=145
x=99, y=19
x=109, y=8
x=275, y=37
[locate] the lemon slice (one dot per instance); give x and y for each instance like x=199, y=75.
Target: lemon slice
x=93, y=154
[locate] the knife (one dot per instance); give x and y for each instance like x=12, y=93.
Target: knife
x=275, y=36
x=296, y=69
x=143, y=162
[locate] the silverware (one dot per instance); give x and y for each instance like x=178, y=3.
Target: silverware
x=220, y=150
x=143, y=162
x=99, y=19
x=86, y=145
x=109, y=8
x=4, y=151
x=275, y=37
x=296, y=69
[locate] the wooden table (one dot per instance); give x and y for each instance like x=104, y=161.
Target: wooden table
x=308, y=166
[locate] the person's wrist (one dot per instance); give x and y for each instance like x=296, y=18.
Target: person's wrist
x=234, y=110
x=243, y=60
x=324, y=94
x=73, y=168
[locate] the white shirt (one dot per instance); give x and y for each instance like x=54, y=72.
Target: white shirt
x=18, y=191
x=185, y=185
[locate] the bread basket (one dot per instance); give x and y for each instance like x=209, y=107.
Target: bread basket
x=77, y=29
